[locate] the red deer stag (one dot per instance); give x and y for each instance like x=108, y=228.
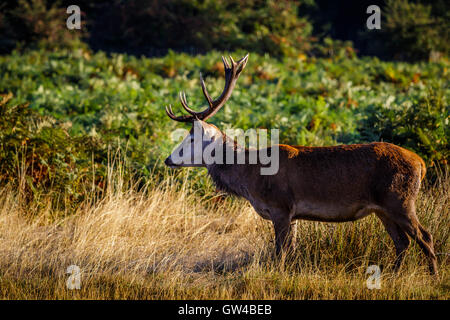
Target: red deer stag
x=330, y=184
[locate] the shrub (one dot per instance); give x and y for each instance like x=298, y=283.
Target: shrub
x=32, y=22
x=38, y=157
x=422, y=127
x=263, y=26
x=412, y=32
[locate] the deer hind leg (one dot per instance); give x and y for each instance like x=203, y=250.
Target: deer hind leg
x=423, y=238
x=408, y=222
x=398, y=236
x=426, y=236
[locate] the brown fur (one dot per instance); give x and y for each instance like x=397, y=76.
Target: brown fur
x=336, y=184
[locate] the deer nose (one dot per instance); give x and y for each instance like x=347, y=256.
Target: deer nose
x=168, y=162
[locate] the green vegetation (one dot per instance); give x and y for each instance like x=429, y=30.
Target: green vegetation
x=120, y=100
x=83, y=133
x=83, y=104
x=40, y=158
x=411, y=30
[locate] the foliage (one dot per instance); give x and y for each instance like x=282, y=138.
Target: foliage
x=36, y=22
x=119, y=102
x=334, y=49
x=154, y=26
x=39, y=158
x=422, y=126
x=412, y=32
x=257, y=25
x=411, y=29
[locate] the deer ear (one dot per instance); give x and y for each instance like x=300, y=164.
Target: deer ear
x=208, y=130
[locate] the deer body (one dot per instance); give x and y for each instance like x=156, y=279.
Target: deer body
x=353, y=180
x=329, y=184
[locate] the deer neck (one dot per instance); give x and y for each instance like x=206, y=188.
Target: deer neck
x=228, y=177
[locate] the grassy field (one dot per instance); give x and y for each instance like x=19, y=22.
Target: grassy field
x=65, y=200
x=169, y=242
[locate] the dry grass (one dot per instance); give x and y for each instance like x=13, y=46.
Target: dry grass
x=171, y=243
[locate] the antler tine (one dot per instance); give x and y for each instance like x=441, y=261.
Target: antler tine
x=205, y=91
x=244, y=58
x=184, y=103
x=232, y=71
x=180, y=118
x=225, y=63
x=170, y=112
x=232, y=61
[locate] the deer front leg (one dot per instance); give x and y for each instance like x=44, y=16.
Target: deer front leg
x=283, y=235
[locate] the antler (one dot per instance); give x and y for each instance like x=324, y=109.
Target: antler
x=232, y=72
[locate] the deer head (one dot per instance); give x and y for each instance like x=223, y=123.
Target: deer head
x=190, y=152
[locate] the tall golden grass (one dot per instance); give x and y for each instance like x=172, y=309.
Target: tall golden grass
x=170, y=242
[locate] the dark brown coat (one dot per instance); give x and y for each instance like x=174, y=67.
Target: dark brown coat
x=336, y=184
